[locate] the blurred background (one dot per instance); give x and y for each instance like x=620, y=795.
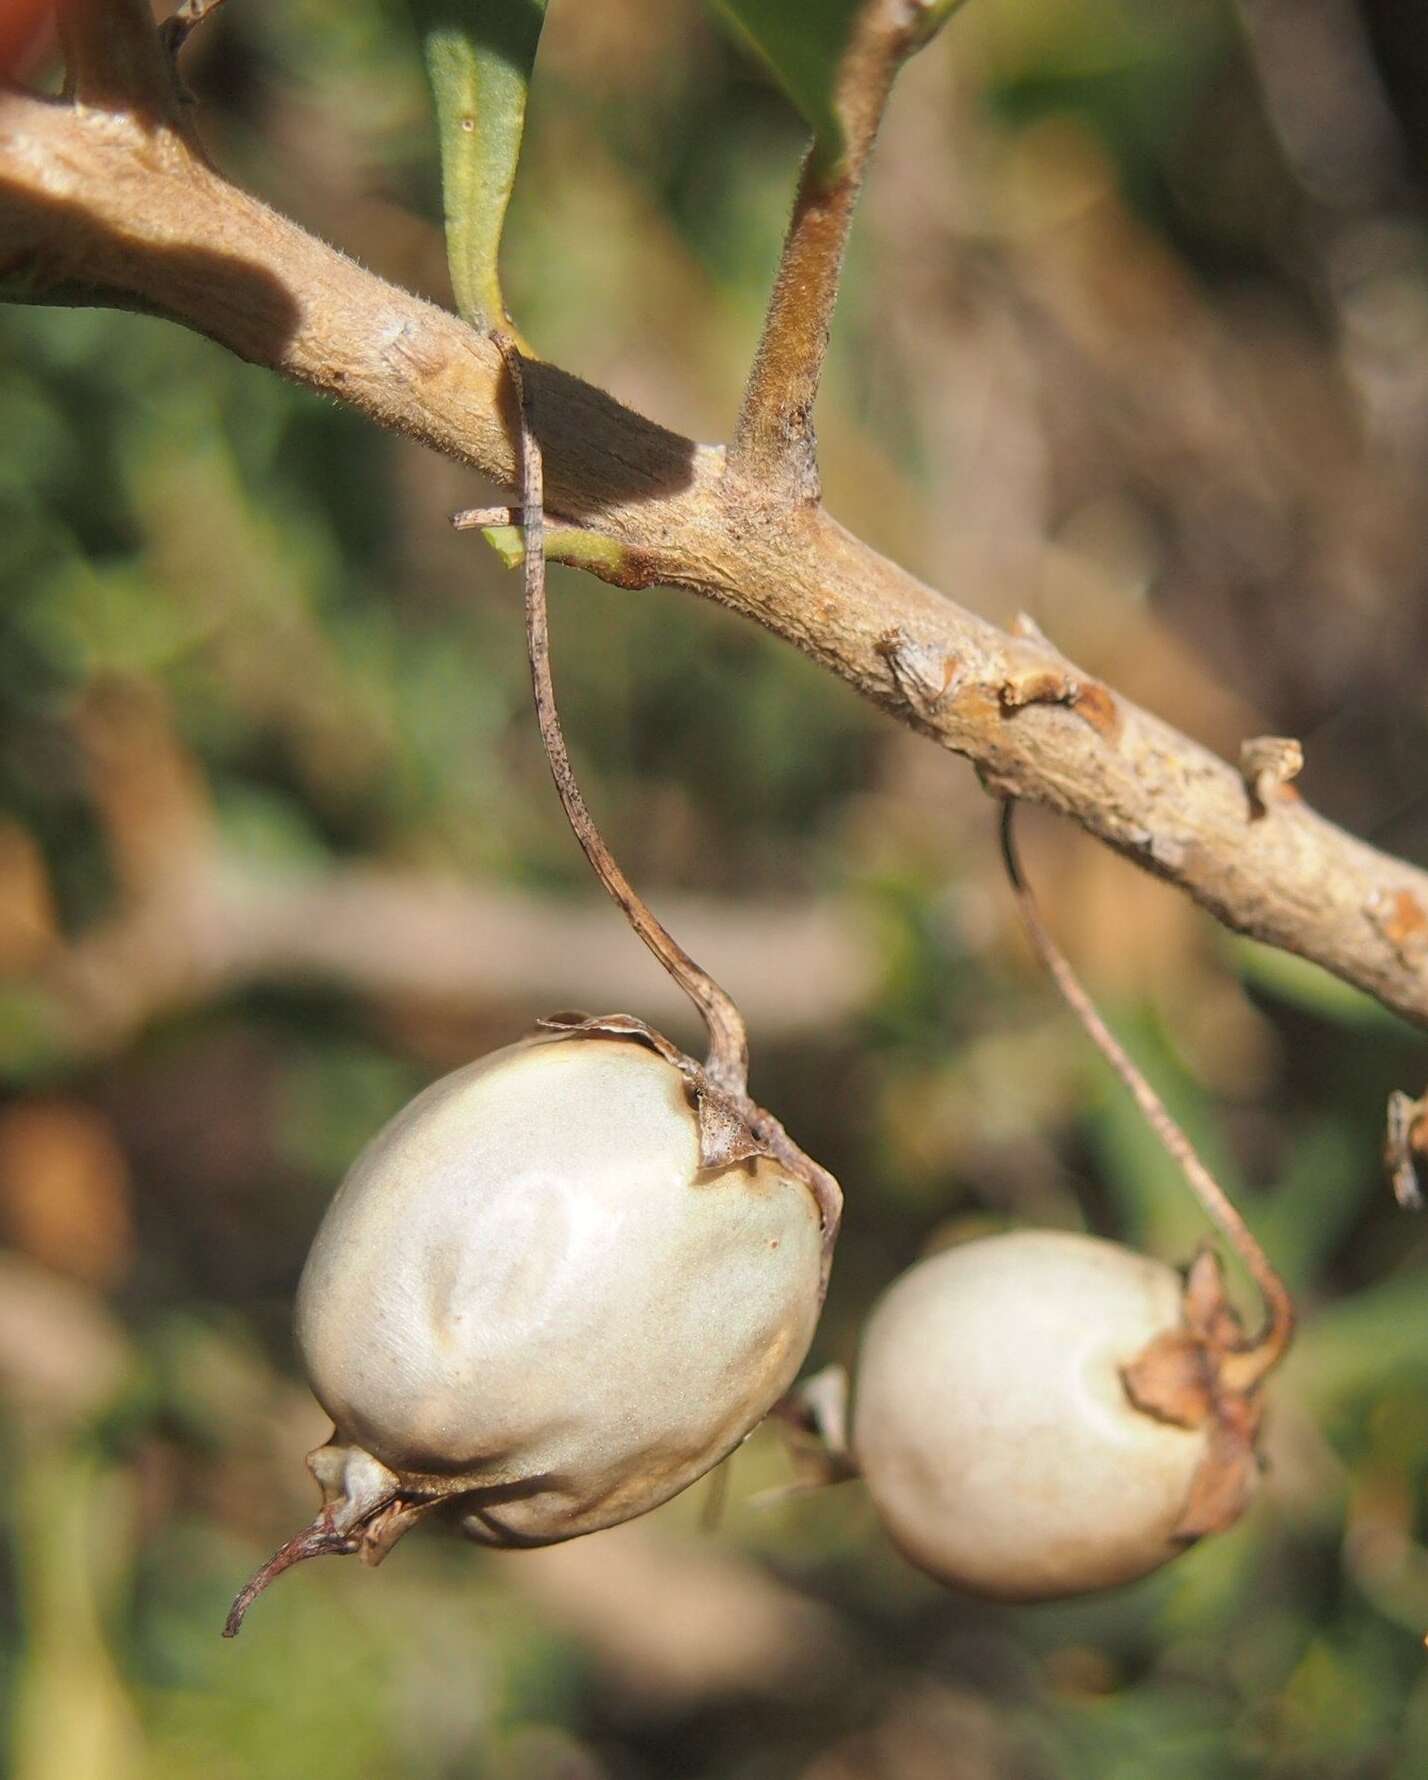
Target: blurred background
x=1135, y=338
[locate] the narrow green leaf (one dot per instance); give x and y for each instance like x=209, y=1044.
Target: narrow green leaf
x=479, y=55
x=805, y=42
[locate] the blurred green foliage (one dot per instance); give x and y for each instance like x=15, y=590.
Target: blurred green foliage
x=246, y=674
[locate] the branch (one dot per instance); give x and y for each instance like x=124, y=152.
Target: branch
x=96, y=208
x=195, y=920
x=215, y=924
x=774, y=441
x=774, y=444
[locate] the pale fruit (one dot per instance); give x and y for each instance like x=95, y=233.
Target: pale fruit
x=991, y=1423
x=529, y=1298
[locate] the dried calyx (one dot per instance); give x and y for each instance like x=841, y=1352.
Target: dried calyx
x=568, y=1279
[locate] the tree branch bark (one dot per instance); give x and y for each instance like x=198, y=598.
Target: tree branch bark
x=97, y=207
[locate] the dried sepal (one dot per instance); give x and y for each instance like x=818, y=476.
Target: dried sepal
x=813, y=1420
x=1405, y=1147
x=725, y=1137
x=1175, y=1379
x=1226, y=1478
x=1172, y=1381
x=1209, y=1314
x=1182, y=1377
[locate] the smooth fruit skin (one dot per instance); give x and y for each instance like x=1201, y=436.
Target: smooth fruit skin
x=991, y=1425
x=526, y=1288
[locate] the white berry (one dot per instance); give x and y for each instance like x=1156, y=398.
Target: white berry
x=529, y=1295
x=994, y=1431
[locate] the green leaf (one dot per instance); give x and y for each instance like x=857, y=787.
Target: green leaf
x=479, y=55
x=805, y=43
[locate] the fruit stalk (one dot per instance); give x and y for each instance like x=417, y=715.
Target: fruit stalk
x=1242, y=1370
x=727, y=1064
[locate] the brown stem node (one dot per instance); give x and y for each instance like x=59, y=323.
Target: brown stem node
x=1267, y=764
x=1405, y=1147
